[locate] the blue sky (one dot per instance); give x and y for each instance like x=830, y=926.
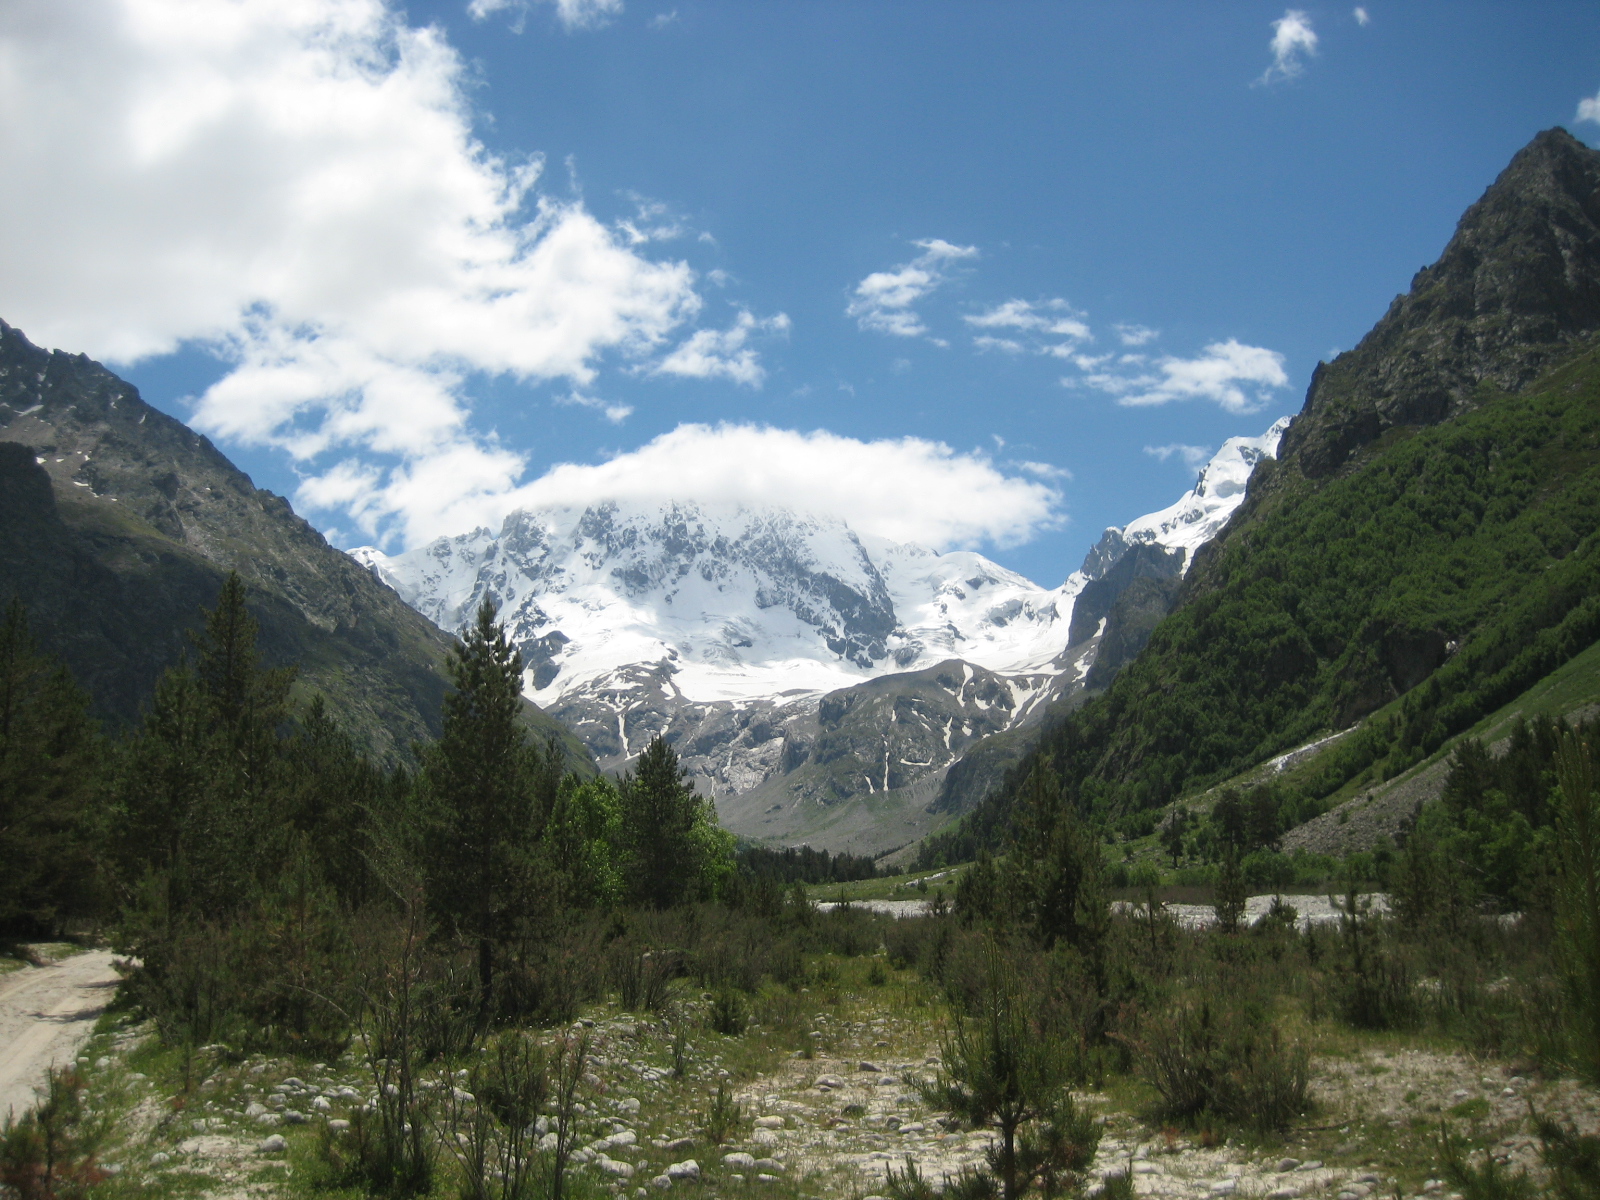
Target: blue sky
x=1033, y=187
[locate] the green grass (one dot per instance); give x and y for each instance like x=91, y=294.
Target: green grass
x=892, y=887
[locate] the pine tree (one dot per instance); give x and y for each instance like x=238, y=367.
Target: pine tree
x=667, y=831
x=201, y=786
x=1055, y=869
x=1231, y=893
x=479, y=783
x=50, y=787
x=1578, y=898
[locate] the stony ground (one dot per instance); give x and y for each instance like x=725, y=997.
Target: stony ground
x=825, y=1081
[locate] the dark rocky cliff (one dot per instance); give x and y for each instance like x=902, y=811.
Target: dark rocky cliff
x=1517, y=286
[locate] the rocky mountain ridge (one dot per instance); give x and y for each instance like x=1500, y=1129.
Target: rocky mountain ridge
x=118, y=523
x=817, y=682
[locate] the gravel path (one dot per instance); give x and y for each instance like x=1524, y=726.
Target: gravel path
x=45, y=1015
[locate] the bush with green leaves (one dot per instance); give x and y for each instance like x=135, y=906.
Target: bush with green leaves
x=1226, y=1061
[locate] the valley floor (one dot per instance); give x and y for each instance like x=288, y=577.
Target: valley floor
x=824, y=1077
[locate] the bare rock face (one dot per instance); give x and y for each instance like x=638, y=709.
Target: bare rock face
x=1518, y=283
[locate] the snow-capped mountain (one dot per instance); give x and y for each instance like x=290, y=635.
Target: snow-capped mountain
x=796, y=664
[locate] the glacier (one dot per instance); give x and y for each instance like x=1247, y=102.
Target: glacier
x=739, y=632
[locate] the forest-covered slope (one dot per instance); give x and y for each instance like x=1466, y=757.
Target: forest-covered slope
x=118, y=523
x=1444, y=550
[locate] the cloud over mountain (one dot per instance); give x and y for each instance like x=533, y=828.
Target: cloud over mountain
x=298, y=187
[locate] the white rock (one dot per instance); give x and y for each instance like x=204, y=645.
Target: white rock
x=687, y=1169
x=338, y=1124
x=322, y=1104
x=738, y=1159
x=629, y=1105
x=159, y=1158
x=273, y=1145
x=764, y=1138
x=661, y=1182
x=611, y=1166
x=769, y=1122
x=766, y=1179
x=255, y=1110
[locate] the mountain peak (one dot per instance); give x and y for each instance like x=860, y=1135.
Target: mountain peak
x=1517, y=284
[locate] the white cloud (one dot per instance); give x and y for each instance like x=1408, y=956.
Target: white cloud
x=652, y=222
x=1221, y=374
x=905, y=489
x=1004, y=345
x=1136, y=335
x=1053, y=318
x=615, y=413
x=1292, y=38
x=1039, y=322
x=1361, y=16
x=573, y=14
x=1589, y=108
x=883, y=299
x=1193, y=456
x=662, y=20
x=1043, y=470
x=723, y=354
x=297, y=186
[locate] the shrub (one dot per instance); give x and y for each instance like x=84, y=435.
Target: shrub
x=728, y=1013
x=1267, y=869
x=723, y=1117
x=49, y=1153
x=1225, y=1062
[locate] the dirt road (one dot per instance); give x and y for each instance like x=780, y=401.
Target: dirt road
x=45, y=1015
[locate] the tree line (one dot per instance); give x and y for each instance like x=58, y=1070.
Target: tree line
x=237, y=827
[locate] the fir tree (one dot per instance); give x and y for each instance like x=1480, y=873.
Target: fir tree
x=50, y=786
x=202, y=782
x=479, y=783
x=669, y=835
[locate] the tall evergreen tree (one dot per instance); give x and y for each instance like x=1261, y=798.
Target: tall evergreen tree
x=1056, y=869
x=200, y=784
x=666, y=831
x=479, y=781
x=50, y=787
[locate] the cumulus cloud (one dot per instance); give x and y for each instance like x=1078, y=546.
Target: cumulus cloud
x=1589, y=108
x=297, y=187
x=1361, y=16
x=1192, y=456
x=1136, y=335
x=573, y=14
x=883, y=300
x=1222, y=373
x=905, y=489
x=723, y=353
x=1293, y=40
